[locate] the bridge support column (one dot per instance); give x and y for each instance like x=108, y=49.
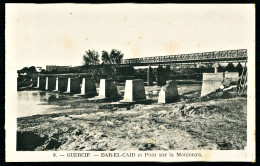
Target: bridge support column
x=150, y=76
x=215, y=65
x=42, y=83
x=56, y=85
x=75, y=86
x=167, y=73
x=46, y=84
x=211, y=82
x=168, y=93
x=231, y=78
x=107, y=88
x=62, y=84
x=88, y=87
x=37, y=83
x=160, y=76
x=134, y=90
x=216, y=69
x=68, y=86
x=51, y=83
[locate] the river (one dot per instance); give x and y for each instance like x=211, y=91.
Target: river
x=33, y=102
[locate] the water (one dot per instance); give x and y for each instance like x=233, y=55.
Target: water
x=32, y=103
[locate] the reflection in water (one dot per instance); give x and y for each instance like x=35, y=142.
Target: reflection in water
x=32, y=103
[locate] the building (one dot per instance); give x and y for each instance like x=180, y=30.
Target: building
x=57, y=68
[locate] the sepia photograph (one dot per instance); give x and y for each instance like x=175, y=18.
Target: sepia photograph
x=130, y=78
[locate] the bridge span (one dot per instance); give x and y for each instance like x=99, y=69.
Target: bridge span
x=239, y=55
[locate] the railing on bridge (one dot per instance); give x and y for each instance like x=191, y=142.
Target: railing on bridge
x=230, y=55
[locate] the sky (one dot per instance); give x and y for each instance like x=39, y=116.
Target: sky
x=59, y=34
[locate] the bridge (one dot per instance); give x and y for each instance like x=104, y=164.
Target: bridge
x=239, y=55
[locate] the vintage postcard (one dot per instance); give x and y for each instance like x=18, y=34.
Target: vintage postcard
x=130, y=82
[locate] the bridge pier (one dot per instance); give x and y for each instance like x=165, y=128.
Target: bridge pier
x=68, y=86
x=215, y=65
x=163, y=75
x=46, y=84
x=51, y=83
x=160, y=76
x=168, y=93
x=88, y=87
x=42, y=83
x=107, y=88
x=37, y=83
x=62, y=84
x=56, y=85
x=134, y=91
x=73, y=86
x=231, y=78
x=150, y=76
x=211, y=82
x=167, y=73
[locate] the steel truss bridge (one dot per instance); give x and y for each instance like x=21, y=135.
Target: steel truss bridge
x=239, y=55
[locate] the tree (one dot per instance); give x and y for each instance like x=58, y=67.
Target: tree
x=105, y=57
x=32, y=69
x=29, y=70
x=115, y=57
x=91, y=57
x=23, y=70
x=43, y=71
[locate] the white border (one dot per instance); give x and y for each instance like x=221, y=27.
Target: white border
x=207, y=155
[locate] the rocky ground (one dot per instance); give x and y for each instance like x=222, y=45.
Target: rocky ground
x=216, y=121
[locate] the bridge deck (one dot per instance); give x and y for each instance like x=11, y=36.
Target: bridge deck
x=216, y=56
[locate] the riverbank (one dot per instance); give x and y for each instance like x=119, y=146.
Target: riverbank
x=217, y=121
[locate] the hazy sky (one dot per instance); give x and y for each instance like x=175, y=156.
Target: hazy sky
x=59, y=34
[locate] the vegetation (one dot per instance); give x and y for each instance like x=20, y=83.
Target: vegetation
x=115, y=57
x=91, y=57
x=27, y=70
x=109, y=65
